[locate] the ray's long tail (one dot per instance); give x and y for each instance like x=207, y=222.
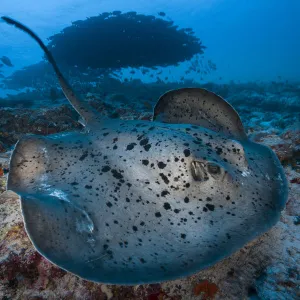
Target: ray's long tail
x=83, y=108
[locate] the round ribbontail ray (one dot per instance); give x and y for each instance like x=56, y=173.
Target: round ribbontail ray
x=132, y=202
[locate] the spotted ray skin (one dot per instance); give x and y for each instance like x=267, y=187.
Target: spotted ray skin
x=131, y=202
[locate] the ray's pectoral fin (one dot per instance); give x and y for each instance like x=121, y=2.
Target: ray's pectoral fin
x=200, y=107
x=55, y=225
x=27, y=164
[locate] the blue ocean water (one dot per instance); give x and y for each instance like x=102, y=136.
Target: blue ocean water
x=120, y=56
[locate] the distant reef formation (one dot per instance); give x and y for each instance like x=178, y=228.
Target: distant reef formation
x=112, y=42
x=119, y=40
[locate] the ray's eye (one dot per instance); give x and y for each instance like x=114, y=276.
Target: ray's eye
x=213, y=168
x=198, y=171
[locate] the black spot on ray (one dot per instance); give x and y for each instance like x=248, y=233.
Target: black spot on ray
x=83, y=156
x=144, y=142
x=105, y=169
x=116, y=174
x=164, y=193
x=147, y=147
x=211, y=207
x=187, y=152
x=164, y=178
x=130, y=146
x=161, y=165
x=145, y=162
x=167, y=206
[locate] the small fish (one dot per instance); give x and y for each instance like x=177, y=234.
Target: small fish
x=162, y=14
x=6, y=61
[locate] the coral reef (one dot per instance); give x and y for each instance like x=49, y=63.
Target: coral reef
x=16, y=122
x=116, y=40
x=31, y=76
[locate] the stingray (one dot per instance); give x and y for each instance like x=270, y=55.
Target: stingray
x=132, y=201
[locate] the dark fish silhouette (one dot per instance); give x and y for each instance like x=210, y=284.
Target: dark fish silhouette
x=6, y=61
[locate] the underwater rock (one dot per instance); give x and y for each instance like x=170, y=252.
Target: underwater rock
x=286, y=145
x=206, y=289
x=262, y=97
x=14, y=123
x=4, y=168
x=116, y=106
x=33, y=75
x=135, y=45
x=2, y=147
x=91, y=96
x=281, y=147
x=293, y=204
x=278, y=280
x=295, y=180
x=117, y=99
